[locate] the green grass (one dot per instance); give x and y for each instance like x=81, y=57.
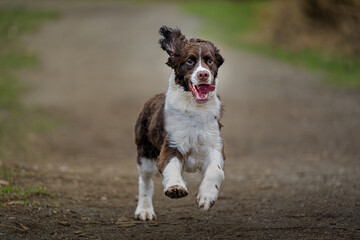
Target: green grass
x=17, y=122
x=16, y=21
x=14, y=192
x=17, y=193
x=339, y=71
x=9, y=92
x=237, y=22
x=15, y=59
x=7, y=172
x=230, y=18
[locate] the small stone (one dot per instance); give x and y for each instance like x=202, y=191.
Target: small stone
x=64, y=169
x=4, y=183
x=64, y=223
x=78, y=232
x=24, y=227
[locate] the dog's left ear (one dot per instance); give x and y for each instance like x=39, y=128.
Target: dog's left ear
x=173, y=40
x=219, y=59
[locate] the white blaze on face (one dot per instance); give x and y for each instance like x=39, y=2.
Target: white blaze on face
x=194, y=79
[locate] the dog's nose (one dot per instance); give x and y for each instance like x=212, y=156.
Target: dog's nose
x=202, y=75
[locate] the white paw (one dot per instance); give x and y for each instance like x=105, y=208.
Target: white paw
x=144, y=214
x=206, y=200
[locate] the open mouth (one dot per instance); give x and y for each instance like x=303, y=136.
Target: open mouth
x=201, y=92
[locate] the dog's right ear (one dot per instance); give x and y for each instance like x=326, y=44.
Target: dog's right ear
x=173, y=40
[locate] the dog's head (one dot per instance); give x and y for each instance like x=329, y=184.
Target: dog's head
x=194, y=61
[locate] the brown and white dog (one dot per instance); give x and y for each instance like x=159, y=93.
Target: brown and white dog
x=179, y=130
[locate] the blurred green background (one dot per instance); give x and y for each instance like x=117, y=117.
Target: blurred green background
x=17, y=121
x=318, y=34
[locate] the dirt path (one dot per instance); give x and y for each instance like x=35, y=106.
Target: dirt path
x=293, y=144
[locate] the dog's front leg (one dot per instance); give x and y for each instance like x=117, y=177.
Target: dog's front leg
x=170, y=163
x=213, y=176
x=174, y=184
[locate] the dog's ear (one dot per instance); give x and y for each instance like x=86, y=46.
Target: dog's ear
x=173, y=40
x=219, y=59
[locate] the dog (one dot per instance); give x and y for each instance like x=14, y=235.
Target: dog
x=179, y=130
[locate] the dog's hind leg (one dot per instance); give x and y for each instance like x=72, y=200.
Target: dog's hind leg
x=145, y=210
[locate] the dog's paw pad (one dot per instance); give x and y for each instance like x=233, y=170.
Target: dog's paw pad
x=176, y=192
x=145, y=214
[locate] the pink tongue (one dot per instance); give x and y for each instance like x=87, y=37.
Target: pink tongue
x=205, y=88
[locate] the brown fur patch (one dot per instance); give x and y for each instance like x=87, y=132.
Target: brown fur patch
x=223, y=150
x=150, y=135
x=166, y=154
x=149, y=128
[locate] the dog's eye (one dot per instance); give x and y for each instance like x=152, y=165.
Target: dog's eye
x=210, y=61
x=190, y=61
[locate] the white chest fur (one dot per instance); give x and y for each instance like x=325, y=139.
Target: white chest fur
x=192, y=128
